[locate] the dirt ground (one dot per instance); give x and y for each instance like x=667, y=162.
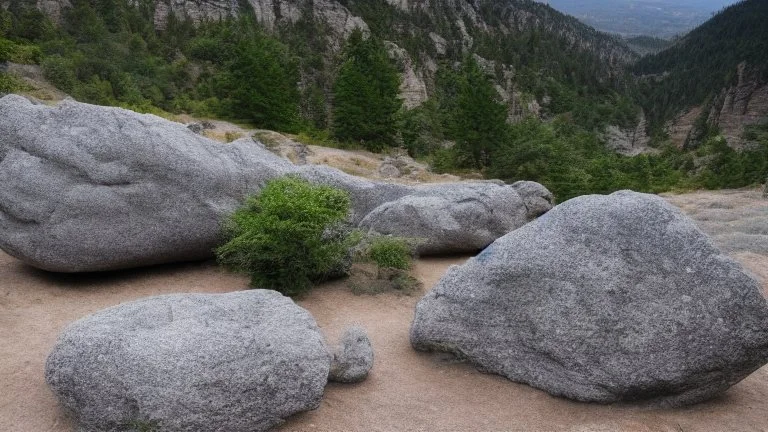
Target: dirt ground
x=406, y=391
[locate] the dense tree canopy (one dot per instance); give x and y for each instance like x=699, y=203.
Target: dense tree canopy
x=365, y=94
x=480, y=119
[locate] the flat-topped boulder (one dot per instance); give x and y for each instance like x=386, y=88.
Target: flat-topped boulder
x=237, y=362
x=91, y=188
x=617, y=298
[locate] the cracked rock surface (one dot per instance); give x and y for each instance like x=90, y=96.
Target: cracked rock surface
x=238, y=362
x=617, y=298
x=91, y=188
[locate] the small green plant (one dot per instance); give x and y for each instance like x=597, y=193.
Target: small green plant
x=391, y=252
x=289, y=236
x=392, y=258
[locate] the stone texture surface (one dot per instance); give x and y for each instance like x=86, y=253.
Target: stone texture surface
x=464, y=217
x=89, y=188
x=681, y=129
x=233, y=362
x=353, y=358
x=413, y=89
x=603, y=299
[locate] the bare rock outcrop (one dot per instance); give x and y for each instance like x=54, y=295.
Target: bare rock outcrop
x=413, y=89
x=628, y=141
x=732, y=111
x=744, y=104
x=682, y=128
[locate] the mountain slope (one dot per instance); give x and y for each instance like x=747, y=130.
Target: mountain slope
x=718, y=70
x=657, y=18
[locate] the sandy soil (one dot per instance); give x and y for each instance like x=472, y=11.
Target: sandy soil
x=406, y=390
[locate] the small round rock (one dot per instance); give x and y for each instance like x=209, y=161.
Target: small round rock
x=353, y=358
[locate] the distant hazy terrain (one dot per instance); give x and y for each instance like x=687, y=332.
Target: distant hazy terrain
x=659, y=18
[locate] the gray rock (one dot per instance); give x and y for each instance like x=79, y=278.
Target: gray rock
x=538, y=199
x=603, y=299
x=389, y=170
x=353, y=358
x=452, y=218
x=191, y=362
x=90, y=188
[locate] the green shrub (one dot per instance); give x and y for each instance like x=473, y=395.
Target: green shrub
x=289, y=236
x=390, y=252
x=60, y=72
x=19, y=53
x=10, y=84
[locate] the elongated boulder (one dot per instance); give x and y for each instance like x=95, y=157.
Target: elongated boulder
x=91, y=188
x=455, y=218
x=603, y=299
x=191, y=362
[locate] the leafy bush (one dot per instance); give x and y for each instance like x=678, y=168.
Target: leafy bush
x=390, y=252
x=19, y=53
x=60, y=72
x=10, y=84
x=289, y=236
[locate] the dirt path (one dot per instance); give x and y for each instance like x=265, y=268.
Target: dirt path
x=406, y=391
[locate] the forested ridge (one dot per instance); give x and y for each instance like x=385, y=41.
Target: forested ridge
x=705, y=61
x=522, y=91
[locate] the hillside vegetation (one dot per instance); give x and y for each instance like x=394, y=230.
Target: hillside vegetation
x=520, y=90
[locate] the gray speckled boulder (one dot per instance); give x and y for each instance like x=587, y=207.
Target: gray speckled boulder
x=603, y=299
x=191, y=362
x=90, y=188
x=453, y=218
x=353, y=358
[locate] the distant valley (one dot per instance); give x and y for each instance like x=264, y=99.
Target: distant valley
x=658, y=18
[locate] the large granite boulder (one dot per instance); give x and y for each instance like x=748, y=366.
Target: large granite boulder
x=90, y=188
x=603, y=299
x=456, y=217
x=191, y=362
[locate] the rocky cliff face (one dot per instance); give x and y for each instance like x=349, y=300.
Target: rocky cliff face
x=628, y=141
x=682, y=127
x=445, y=29
x=744, y=104
x=448, y=26
x=734, y=109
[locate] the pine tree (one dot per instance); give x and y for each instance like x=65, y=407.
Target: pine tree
x=480, y=120
x=264, y=83
x=365, y=94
